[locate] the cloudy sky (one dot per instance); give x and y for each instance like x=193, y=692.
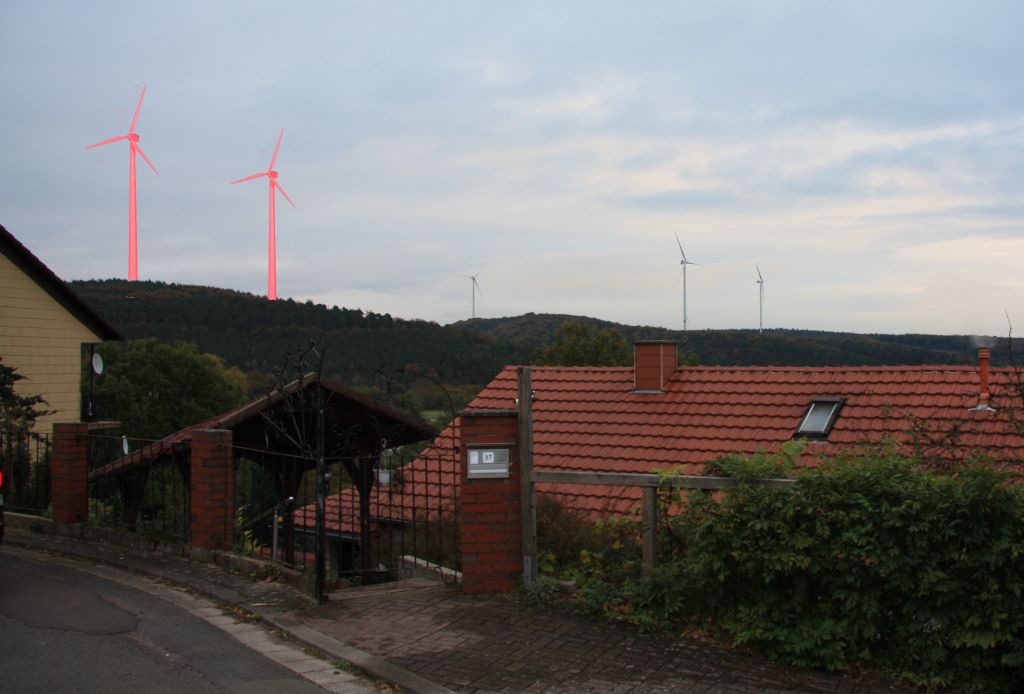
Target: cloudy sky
x=868, y=156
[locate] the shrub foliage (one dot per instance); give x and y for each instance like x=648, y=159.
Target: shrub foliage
x=869, y=560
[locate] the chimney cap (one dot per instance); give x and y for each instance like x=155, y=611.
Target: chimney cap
x=655, y=342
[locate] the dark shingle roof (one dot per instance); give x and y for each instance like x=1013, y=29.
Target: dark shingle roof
x=404, y=427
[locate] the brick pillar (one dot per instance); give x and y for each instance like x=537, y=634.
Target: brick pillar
x=212, y=490
x=490, y=509
x=70, y=469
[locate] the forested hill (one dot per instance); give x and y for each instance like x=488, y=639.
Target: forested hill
x=773, y=347
x=255, y=335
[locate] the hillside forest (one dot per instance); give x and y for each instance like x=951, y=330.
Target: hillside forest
x=402, y=360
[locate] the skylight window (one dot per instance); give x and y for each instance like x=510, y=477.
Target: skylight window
x=820, y=415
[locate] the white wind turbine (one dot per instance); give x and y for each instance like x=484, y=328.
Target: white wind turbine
x=474, y=288
x=684, y=262
x=760, y=291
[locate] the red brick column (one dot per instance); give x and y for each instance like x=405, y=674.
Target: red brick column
x=212, y=490
x=70, y=468
x=490, y=509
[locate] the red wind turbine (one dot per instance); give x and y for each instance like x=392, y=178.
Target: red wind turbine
x=133, y=141
x=272, y=240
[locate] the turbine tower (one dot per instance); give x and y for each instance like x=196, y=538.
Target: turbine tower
x=272, y=234
x=760, y=291
x=473, y=289
x=684, y=262
x=133, y=142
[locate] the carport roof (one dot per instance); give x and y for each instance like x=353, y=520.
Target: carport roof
x=401, y=426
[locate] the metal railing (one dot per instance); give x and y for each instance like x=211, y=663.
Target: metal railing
x=25, y=464
x=143, y=487
x=384, y=517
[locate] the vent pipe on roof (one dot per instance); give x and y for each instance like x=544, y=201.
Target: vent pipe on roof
x=654, y=362
x=983, y=383
x=983, y=393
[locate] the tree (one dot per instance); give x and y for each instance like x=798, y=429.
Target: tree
x=18, y=413
x=155, y=389
x=578, y=344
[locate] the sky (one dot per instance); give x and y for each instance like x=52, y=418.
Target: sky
x=867, y=156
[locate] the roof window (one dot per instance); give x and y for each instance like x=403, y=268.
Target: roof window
x=819, y=417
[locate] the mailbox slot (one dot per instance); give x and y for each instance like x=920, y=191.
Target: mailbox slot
x=488, y=463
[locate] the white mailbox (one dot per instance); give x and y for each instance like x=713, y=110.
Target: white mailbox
x=488, y=463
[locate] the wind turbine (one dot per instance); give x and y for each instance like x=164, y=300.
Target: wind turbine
x=133, y=141
x=684, y=262
x=473, y=289
x=760, y=291
x=272, y=235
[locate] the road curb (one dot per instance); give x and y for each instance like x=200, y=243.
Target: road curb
x=375, y=665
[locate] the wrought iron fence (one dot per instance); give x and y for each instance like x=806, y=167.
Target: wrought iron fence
x=139, y=486
x=413, y=516
x=266, y=488
x=385, y=517
x=25, y=464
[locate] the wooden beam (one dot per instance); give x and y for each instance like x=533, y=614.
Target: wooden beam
x=527, y=498
x=625, y=479
x=650, y=528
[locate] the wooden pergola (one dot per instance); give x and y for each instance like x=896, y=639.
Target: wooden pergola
x=282, y=434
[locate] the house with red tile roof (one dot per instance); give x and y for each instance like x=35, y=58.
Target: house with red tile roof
x=656, y=415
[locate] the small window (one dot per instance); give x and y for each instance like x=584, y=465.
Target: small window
x=819, y=417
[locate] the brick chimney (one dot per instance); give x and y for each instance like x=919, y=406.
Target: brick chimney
x=654, y=362
x=983, y=394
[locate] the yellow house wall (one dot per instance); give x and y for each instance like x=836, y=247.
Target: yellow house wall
x=41, y=339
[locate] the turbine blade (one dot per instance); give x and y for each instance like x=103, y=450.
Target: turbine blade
x=278, y=186
x=107, y=142
x=476, y=286
x=248, y=178
x=274, y=158
x=759, y=278
x=680, y=246
x=138, y=107
x=139, y=150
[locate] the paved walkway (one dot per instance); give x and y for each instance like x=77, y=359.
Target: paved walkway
x=428, y=637
x=498, y=644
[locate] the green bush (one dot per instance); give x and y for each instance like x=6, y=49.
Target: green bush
x=867, y=560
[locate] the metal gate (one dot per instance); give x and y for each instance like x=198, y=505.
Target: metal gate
x=385, y=516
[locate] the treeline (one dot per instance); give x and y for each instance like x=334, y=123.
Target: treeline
x=776, y=347
x=256, y=335
x=366, y=349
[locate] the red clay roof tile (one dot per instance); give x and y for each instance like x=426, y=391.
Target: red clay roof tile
x=589, y=418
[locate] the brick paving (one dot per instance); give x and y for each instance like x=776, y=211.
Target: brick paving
x=498, y=644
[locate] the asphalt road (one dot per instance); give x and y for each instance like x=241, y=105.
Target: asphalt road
x=66, y=627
